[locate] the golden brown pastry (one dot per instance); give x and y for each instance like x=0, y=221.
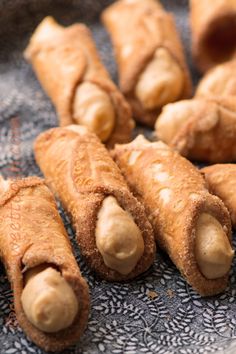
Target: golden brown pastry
x=51, y=298
x=221, y=180
x=112, y=230
x=69, y=69
x=213, y=27
x=202, y=129
x=149, y=54
x=190, y=224
x=219, y=81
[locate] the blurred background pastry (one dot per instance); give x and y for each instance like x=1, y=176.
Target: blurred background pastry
x=149, y=54
x=213, y=25
x=221, y=180
x=218, y=81
x=201, y=129
x=69, y=69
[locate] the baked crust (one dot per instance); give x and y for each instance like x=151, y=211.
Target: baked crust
x=218, y=81
x=32, y=233
x=142, y=26
x=81, y=173
x=65, y=59
x=209, y=134
x=221, y=180
x=174, y=194
x=213, y=32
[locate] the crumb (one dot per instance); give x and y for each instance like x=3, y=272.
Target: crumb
x=152, y=294
x=170, y=293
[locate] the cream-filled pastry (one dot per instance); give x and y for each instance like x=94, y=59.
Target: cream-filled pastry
x=112, y=230
x=173, y=118
x=67, y=64
x=51, y=297
x=202, y=129
x=189, y=223
x=219, y=81
x=221, y=180
x=149, y=54
x=213, y=28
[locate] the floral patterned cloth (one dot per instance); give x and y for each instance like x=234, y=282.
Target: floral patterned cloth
x=156, y=313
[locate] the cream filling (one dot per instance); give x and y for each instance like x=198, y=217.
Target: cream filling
x=171, y=119
x=48, y=300
x=118, y=238
x=93, y=108
x=212, y=247
x=161, y=82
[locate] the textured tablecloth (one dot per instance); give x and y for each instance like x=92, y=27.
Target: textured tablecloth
x=158, y=312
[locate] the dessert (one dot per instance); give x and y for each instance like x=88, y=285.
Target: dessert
x=202, y=129
x=112, y=230
x=69, y=69
x=189, y=223
x=219, y=81
x=51, y=297
x=213, y=31
x=150, y=57
x=221, y=180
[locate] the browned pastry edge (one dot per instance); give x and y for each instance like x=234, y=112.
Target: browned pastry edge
x=210, y=43
x=88, y=244
x=89, y=193
x=225, y=83
x=30, y=257
x=185, y=257
x=217, y=178
x=205, y=287
x=74, y=47
x=221, y=132
x=129, y=78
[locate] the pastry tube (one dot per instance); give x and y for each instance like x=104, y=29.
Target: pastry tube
x=201, y=129
x=69, y=69
x=150, y=57
x=219, y=81
x=35, y=250
x=189, y=223
x=112, y=230
x=213, y=26
x=221, y=180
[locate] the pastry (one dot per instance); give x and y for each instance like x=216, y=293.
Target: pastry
x=202, y=129
x=112, y=230
x=51, y=298
x=69, y=69
x=189, y=223
x=219, y=81
x=221, y=180
x=150, y=57
x=213, y=27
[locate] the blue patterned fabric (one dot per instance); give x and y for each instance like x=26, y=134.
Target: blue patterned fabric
x=156, y=313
